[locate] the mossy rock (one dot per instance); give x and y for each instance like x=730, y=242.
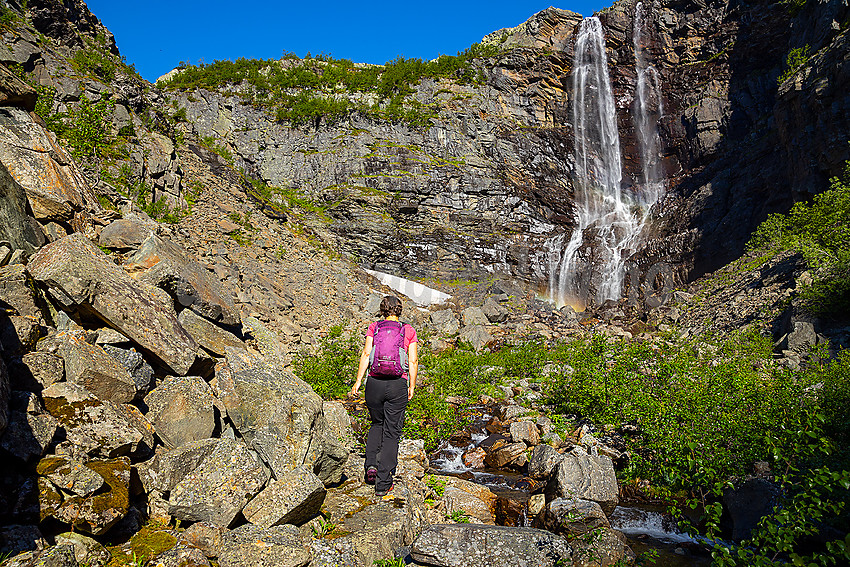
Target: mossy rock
x=144, y=546
x=93, y=514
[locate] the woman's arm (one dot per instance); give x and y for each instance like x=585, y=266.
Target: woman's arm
x=364, y=364
x=413, y=370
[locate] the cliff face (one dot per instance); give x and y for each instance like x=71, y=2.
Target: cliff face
x=485, y=185
x=482, y=188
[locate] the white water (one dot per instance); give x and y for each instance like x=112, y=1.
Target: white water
x=609, y=221
x=603, y=213
x=635, y=521
x=648, y=110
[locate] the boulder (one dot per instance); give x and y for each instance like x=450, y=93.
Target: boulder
x=476, y=335
x=182, y=555
x=544, y=459
x=461, y=545
x=79, y=276
x=494, y=311
x=339, y=423
x=95, y=427
x=168, y=268
x=445, y=322
x=15, y=92
x=90, y=366
x=207, y=334
x=476, y=500
x=28, y=436
x=17, y=227
x=588, y=477
x=18, y=292
x=800, y=339
x=38, y=370
x=745, y=505
x=15, y=539
x=136, y=365
x=602, y=547
x=218, y=489
x=525, y=432
x=474, y=458
x=73, y=477
x=87, y=551
x=125, y=234
x=93, y=514
x=204, y=536
x=4, y=395
x=18, y=335
x=253, y=546
x=56, y=190
x=473, y=316
x=279, y=416
x=181, y=410
x=166, y=469
x=293, y=499
x=571, y=517
x=502, y=454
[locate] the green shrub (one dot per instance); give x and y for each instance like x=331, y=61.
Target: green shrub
x=797, y=57
x=820, y=231
x=332, y=371
x=95, y=59
x=90, y=130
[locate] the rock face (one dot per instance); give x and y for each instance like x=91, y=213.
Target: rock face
x=280, y=417
x=16, y=225
x=80, y=276
x=460, y=545
x=588, y=477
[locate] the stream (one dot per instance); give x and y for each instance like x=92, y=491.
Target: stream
x=647, y=527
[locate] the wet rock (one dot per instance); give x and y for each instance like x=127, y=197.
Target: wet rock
x=17, y=539
x=476, y=335
x=181, y=410
x=503, y=454
x=253, y=546
x=79, y=276
x=87, y=551
x=536, y=504
x=18, y=292
x=525, y=432
x=28, y=436
x=136, y=365
x=209, y=335
x=587, y=477
x=91, y=514
x=95, y=427
x=220, y=486
x=125, y=234
x=474, y=458
x=473, y=316
x=544, y=459
x=279, y=416
x=166, y=469
x=92, y=368
x=184, y=279
x=293, y=499
x=38, y=370
x=460, y=545
x=571, y=517
x=339, y=423
x=494, y=311
x=445, y=322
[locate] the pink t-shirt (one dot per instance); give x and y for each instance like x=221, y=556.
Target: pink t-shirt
x=409, y=337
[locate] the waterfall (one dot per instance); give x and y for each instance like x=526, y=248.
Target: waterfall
x=648, y=110
x=608, y=221
x=594, y=256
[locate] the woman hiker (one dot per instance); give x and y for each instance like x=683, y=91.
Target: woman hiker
x=391, y=356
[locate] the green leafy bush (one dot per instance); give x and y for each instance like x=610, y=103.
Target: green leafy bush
x=95, y=59
x=332, y=371
x=820, y=231
x=797, y=57
x=90, y=130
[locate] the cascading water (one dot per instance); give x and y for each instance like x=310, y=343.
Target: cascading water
x=648, y=110
x=609, y=221
x=603, y=217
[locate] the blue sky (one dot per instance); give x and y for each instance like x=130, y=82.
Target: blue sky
x=157, y=34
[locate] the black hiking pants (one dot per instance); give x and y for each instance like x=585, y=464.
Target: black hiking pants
x=386, y=400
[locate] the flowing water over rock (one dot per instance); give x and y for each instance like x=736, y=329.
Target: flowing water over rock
x=591, y=264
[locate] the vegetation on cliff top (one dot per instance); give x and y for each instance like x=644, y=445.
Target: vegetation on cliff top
x=308, y=90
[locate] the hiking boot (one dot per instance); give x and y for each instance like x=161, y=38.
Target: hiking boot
x=385, y=494
x=371, y=475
